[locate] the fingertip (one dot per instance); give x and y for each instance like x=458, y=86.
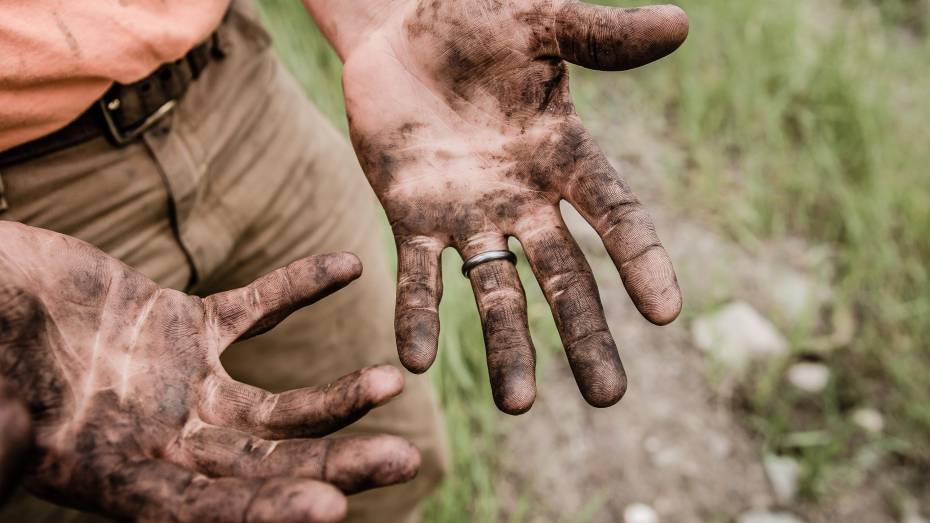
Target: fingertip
x=517, y=401
x=408, y=460
x=359, y=463
x=666, y=310
x=325, y=504
x=417, y=337
x=650, y=280
x=606, y=391
x=676, y=23
x=665, y=28
x=414, y=461
x=350, y=265
x=331, y=507
x=655, y=292
x=384, y=383
x=598, y=370
x=285, y=500
x=322, y=274
x=514, y=391
x=417, y=361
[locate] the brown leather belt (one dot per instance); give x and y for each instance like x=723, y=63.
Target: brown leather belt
x=125, y=111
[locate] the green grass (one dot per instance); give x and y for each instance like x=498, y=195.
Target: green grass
x=796, y=118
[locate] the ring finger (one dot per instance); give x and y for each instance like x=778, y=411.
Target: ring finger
x=502, y=308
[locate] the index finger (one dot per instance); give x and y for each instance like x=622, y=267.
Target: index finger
x=254, y=309
x=598, y=192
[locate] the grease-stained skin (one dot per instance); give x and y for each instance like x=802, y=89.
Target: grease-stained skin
x=460, y=113
x=135, y=418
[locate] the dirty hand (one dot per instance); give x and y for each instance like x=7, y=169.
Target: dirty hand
x=134, y=416
x=460, y=113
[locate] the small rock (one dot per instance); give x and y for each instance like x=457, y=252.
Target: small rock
x=652, y=444
x=809, y=377
x=797, y=296
x=768, y=517
x=869, y=420
x=668, y=457
x=844, y=326
x=720, y=445
x=737, y=335
x=640, y=513
x=866, y=459
x=910, y=512
x=782, y=472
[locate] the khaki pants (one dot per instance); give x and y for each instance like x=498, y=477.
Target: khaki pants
x=244, y=177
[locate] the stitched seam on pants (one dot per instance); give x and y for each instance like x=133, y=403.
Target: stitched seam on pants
x=179, y=190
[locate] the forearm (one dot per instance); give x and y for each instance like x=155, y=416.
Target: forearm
x=345, y=23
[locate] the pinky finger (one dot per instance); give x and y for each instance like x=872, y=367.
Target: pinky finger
x=419, y=289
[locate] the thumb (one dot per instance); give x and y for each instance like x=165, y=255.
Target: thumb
x=616, y=39
x=255, y=309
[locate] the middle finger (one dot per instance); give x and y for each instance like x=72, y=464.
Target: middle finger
x=569, y=286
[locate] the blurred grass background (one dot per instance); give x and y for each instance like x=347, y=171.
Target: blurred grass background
x=810, y=119
x=797, y=118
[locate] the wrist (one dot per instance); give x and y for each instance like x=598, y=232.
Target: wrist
x=347, y=23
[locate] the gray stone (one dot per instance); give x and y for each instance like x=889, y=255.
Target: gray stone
x=796, y=296
x=809, y=377
x=737, y=335
x=910, y=511
x=783, y=475
x=768, y=517
x=640, y=513
x=869, y=420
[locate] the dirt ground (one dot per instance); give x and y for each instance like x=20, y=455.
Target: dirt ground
x=673, y=443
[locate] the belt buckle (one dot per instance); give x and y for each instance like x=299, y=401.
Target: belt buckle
x=122, y=137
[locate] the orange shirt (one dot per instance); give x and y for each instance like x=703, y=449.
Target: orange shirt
x=58, y=56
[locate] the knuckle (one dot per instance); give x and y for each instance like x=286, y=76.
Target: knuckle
x=559, y=283
x=641, y=253
x=502, y=296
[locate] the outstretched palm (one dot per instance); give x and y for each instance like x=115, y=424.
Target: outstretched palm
x=135, y=417
x=460, y=114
